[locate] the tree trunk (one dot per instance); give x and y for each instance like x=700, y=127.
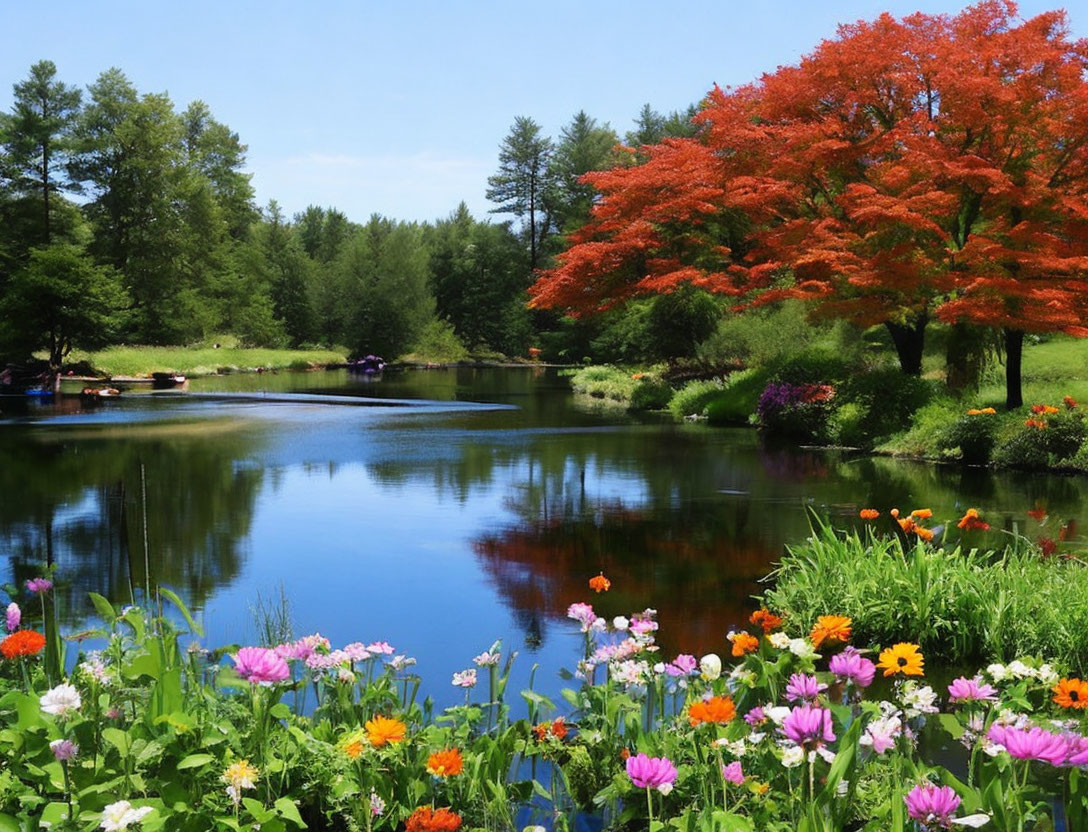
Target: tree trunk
x=963, y=358
x=909, y=340
x=1014, y=353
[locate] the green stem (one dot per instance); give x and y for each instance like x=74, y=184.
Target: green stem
x=650, y=805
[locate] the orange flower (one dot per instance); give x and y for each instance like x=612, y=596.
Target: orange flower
x=970, y=521
x=716, y=710
x=1043, y=409
x=1071, y=693
x=901, y=658
x=625, y=753
x=381, y=730
x=1038, y=424
x=426, y=819
x=446, y=763
x=22, y=643
x=921, y=514
x=599, y=583
x=1070, y=402
x=832, y=629
x=869, y=514
x=923, y=533
x=909, y=526
x=1038, y=514
x=557, y=729
x=988, y=410
x=743, y=643
x=1047, y=546
x=766, y=619
x=894, y=513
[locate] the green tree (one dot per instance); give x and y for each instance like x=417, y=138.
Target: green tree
x=217, y=153
x=681, y=320
x=61, y=300
x=38, y=140
x=275, y=252
x=583, y=146
x=522, y=182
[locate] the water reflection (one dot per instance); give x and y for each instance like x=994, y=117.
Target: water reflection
x=393, y=522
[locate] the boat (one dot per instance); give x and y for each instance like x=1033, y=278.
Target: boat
x=100, y=393
x=167, y=381
x=370, y=365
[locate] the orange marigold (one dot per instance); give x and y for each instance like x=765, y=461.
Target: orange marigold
x=426, y=819
x=557, y=729
x=766, y=619
x=832, y=629
x=22, y=643
x=921, y=514
x=869, y=514
x=446, y=763
x=902, y=658
x=381, y=730
x=743, y=643
x=599, y=583
x=971, y=521
x=1071, y=693
x=716, y=710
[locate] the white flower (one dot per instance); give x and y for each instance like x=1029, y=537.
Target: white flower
x=659, y=668
x=998, y=672
x=974, y=821
x=919, y=700
x=534, y=829
x=599, y=625
x=1048, y=676
x=756, y=737
x=792, y=755
x=346, y=676
x=620, y=623
x=741, y=676
x=779, y=641
x=121, y=815
x=62, y=700
x=710, y=666
x=803, y=649
x=665, y=788
x=1021, y=670
x=487, y=659
x=465, y=679
x=777, y=714
x=737, y=749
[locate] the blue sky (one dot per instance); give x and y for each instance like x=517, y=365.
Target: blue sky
x=399, y=107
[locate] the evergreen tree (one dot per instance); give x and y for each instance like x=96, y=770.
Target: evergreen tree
x=218, y=154
x=583, y=146
x=522, y=182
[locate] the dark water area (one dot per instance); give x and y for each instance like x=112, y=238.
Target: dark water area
x=471, y=505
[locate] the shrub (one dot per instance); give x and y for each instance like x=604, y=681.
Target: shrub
x=924, y=438
x=693, y=398
x=796, y=411
x=1043, y=441
x=814, y=367
x=603, y=382
x=736, y=404
x=973, y=436
x=886, y=398
x=651, y=394
x=848, y=425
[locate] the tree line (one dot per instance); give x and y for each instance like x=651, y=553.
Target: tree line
x=126, y=220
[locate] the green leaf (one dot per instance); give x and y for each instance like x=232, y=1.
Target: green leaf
x=951, y=725
x=184, y=610
x=279, y=711
x=103, y=607
x=118, y=739
x=195, y=761
x=289, y=810
x=9, y=824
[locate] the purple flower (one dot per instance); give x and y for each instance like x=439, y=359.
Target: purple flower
x=932, y=805
x=1078, y=751
x=755, y=716
x=808, y=725
x=802, y=688
x=1030, y=743
x=682, y=665
x=14, y=616
x=851, y=666
x=651, y=772
x=259, y=665
x=971, y=690
x=732, y=773
x=583, y=614
x=63, y=749
x=39, y=585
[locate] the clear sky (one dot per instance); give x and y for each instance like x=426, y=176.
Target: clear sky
x=399, y=107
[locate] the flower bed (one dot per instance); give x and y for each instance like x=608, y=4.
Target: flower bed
x=798, y=728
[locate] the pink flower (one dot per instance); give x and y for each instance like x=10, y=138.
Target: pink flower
x=755, y=716
x=465, y=679
x=801, y=688
x=303, y=648
x=260, y=666
x=1030, y=743
x=651, y=772
x=808, y=725
x=356, y=652
x=63, y=749
x=583, y=614
x=971, y=690
x=682, y=665
x=931, y=805
x=851, y=666
x=380, y=648
x=732, y=773
x=1078, y=751
x=14, y=616
x=39, y=585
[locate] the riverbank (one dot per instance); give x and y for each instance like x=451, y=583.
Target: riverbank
x=200, y=360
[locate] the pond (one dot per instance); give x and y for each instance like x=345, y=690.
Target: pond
x=440, y=510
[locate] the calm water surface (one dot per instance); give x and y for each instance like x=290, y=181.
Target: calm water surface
x=439, y=510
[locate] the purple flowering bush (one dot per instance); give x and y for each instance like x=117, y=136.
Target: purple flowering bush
x=801, y=412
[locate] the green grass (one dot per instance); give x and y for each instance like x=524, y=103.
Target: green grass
x=957, y=604
x=1052, y=369
x=603, y=382
x=201, y=360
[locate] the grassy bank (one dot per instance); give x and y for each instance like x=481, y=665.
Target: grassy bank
x=201, y=359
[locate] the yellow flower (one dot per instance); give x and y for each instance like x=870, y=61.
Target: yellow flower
x=381, y=730
x=901, y=658
x=830, y=628
x=240, y=775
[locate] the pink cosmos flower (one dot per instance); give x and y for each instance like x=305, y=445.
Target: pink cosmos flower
x=1078, y=751
x=732, y=773
x=880, y=734
x=14, y=617
x=39, y=585
x=808, y=725
x=931, y=805
x=643, y=626
x=303, y=648
x=971, y=690
x=851, y=666
x=383, y=648
x=1030, y=743
x=682, y=665
x=260, y=666
x=651, y=772
x=356, y=652
x=802, y=688
x=583, y=614
x=756, y=716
